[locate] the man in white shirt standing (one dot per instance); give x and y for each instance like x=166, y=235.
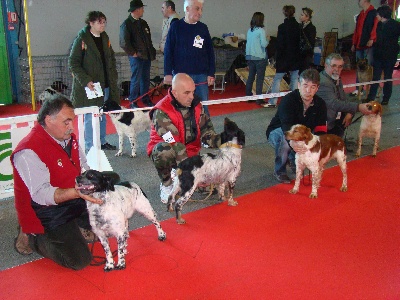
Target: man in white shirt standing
x=170, y=15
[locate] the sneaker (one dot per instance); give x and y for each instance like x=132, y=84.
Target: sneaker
x=107, y=146
x=385, y=102
x=165, y=191
x=282, y=178
x=88, y=235
x=21, y=243
x=268, y=105
x=354, y=93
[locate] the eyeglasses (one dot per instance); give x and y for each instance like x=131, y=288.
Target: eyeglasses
x=336, y=66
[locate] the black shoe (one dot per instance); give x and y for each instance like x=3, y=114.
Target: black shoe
x=21, y=243
x=385, y=102
x=148, y=103
x=134, y=105
x=107, y=146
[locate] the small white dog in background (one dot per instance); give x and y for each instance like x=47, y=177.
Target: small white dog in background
x=371, y=126
x=57, y=87
x=127, y=124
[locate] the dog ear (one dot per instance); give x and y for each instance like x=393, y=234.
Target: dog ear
x=110, y=179
x=380, y=110
x=241, y=137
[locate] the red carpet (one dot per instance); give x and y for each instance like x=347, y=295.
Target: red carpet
x=273, y=245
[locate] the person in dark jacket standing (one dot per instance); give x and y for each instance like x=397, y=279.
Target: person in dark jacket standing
x=385, y=53
x=92, y=60
x=135, y=40
x=287, y=52
x=308, y=33
x=365, y=34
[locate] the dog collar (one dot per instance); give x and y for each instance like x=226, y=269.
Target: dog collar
x=230, y=144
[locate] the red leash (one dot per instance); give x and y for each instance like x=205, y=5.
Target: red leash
x=150, y=91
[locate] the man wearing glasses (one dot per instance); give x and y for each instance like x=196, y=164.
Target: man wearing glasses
x=340, y=111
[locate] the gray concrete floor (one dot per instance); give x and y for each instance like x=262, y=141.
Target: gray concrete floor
x=257, y=169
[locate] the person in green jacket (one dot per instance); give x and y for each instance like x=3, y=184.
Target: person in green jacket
x=92, y=60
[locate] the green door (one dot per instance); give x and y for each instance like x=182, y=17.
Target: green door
x=5, y=83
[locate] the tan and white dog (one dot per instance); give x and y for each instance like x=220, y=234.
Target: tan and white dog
x=320, y=149
x=371, y=127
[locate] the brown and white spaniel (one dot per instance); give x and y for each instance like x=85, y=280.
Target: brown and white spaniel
x=320, y=149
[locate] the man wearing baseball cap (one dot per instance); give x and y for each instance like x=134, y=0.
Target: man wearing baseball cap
x=135, y=40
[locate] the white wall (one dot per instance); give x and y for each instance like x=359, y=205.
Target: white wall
x=54, y=24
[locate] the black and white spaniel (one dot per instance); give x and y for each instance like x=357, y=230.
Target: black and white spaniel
x=203, y=170
x=110, y=218
x=128, y=124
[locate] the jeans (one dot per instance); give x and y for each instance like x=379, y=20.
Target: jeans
x=387, y=67
x=140, y=79
x=87, y=120
x=365, y=53
x=202, y=89
x=283, y=152
x=256, y=67
x=276, y=84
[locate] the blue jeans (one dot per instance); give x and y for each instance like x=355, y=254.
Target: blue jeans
x=87, y=120
x=276, y=84
x=140, y=79
x=202, y=89
x=387, y=67
x=365, y=53
x=256, y=67
x=283, y=152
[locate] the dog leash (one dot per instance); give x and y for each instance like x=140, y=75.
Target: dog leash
x=212, y=187
x=99, y=260
x=155, y=88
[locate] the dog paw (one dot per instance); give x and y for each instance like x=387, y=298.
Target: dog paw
x=313, y=196
x=162, y=237
x=119, y=153
x=133, y=155
x=180, y=221
x=121, y=266
x=232, y=203
x=293, y=191
x=108, y=268
x=343, y=188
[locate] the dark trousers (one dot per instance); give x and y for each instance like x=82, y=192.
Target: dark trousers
x=387, y=67
x=256, y=67
x=338, y=129
x=64, y=245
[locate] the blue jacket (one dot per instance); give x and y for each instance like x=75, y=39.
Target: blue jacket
x=256, y=44
x=189, y=49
